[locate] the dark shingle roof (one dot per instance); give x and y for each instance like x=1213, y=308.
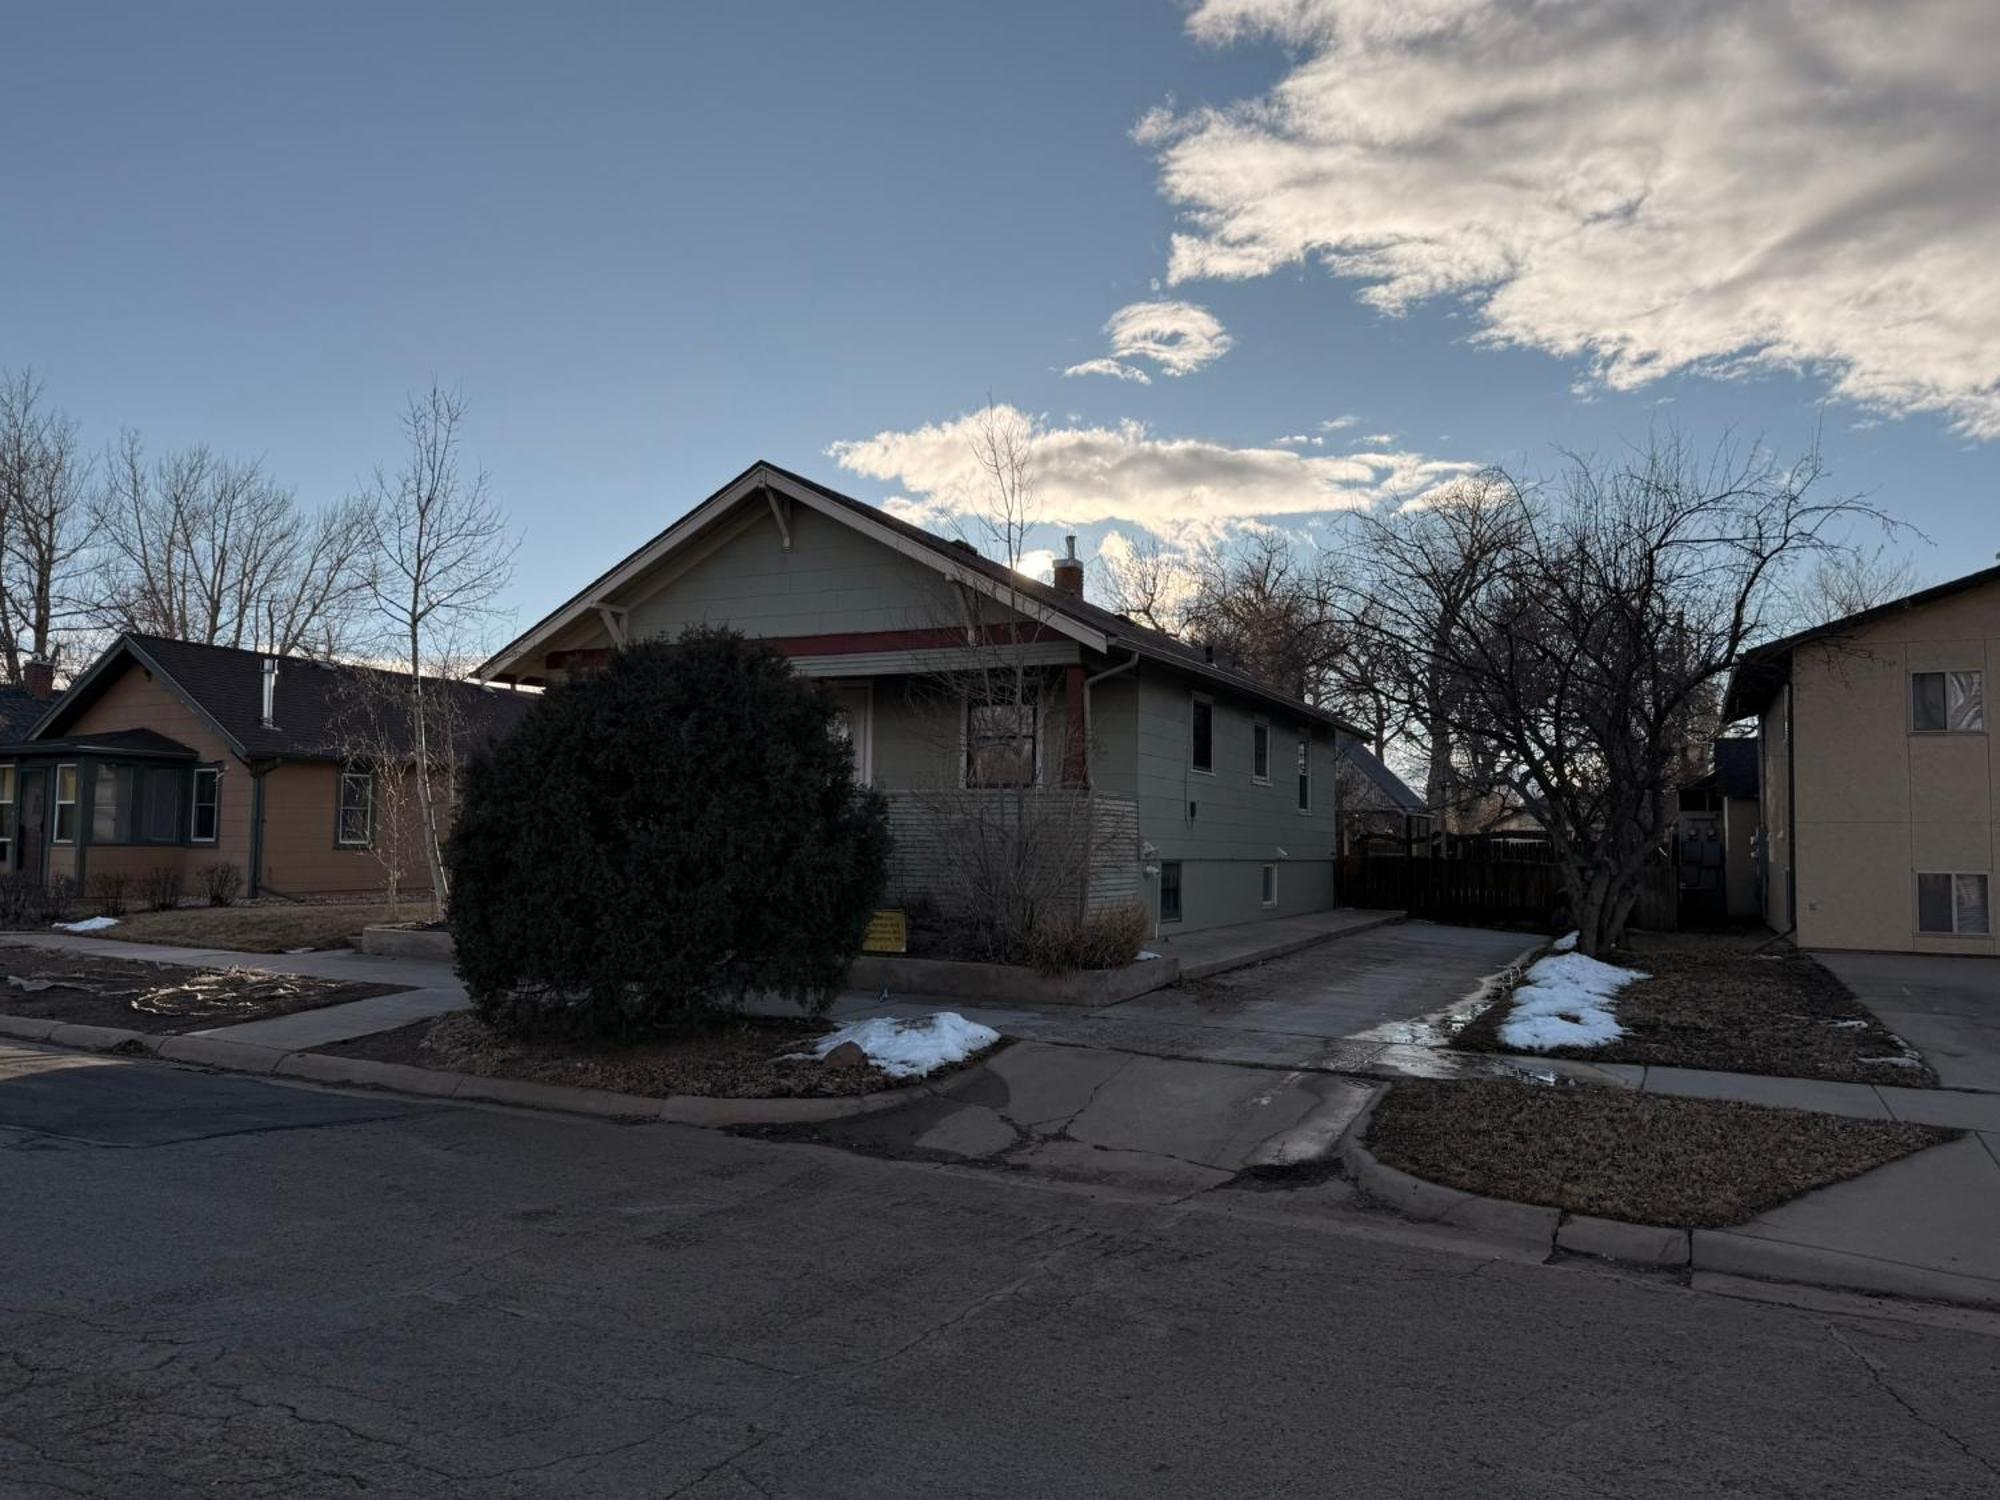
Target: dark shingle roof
x=318, y=704
x=1392, y=786
x=20, y=710
x=145, y=742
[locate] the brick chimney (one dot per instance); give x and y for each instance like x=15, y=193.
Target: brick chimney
x=1068, y=572
x=39, y=678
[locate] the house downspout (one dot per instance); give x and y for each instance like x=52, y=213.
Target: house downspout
x=1791, y=809
x=256, y=881
x=1088, y=683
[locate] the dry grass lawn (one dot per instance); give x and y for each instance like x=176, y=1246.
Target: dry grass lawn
x=1712, y=1002
x=1642, y=1158
x=264, y=928
x=92, y=990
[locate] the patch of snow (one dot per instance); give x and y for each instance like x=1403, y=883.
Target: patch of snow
x=1144, y=954
x=88, y=924
x=910, y=1049
x=1566, y=943
x=1896, y=1062
x=1566, y=1001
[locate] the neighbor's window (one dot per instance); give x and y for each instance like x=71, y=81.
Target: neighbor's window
x=65, y=829
x=1201, y=754
x=1170, y=890
x=1260, y=753
x=1947, y=702
x=1268, y=886
x=1954, y=905
x=1305, y=773
x=1000, y=744
x=356, y=825
x=203, y=820
x=111, y=805
x=6, y=817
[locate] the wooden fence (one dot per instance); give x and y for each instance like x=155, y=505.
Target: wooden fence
x=1475, y=890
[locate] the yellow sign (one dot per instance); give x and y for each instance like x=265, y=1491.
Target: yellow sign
x=888, y=932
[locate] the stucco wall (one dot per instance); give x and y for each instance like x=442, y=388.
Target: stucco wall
x=1775, y=809
x=1877, y=802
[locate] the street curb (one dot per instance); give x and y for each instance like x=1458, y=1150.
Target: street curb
x=362, y=1072
x=1651, y=1246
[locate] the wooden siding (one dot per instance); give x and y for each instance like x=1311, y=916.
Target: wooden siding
x=929, y=827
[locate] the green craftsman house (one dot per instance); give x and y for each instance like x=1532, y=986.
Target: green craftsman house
x=1156, y=774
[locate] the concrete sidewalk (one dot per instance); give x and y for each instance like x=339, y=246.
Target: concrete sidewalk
x=1216, y=950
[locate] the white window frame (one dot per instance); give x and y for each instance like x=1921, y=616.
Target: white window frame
x=340, y=839
x=10, y=784
x=1954, y=876
x=1209, y=769
x=1267, y=887
x=1302, y=792
x=1033, y=705
x=57, y=804
x=1260, y=728
x=194, y=803
x=1947, y=673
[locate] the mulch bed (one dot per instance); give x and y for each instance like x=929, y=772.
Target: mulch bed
x=85, y=989
x=744, y=1057
x=1642, y=1158
x=1714, y=1003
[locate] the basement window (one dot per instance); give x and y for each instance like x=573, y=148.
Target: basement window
x=1954, y=905
x=1170, y=890
x=1267, y=891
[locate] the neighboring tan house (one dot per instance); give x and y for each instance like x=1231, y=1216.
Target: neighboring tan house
x=1880, y=789
x=1211, y=796
x=166, y=753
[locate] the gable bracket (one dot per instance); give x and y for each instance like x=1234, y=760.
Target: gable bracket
x=781, y=512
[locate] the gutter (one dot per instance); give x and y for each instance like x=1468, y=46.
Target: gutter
x=1089, y=718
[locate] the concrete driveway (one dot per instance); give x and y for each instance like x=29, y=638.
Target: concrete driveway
x=1947, y=1008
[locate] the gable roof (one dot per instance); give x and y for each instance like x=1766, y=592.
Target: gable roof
x=1090, y=625
x=1761, y=671
x=1392, y=786
x=315, y=701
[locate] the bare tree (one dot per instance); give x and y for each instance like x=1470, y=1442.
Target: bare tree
x=209, y=549
x=1849, y=581
x=1008, y=505
x=1587, y=647
x=43, y=484
x=441, y=555
x=1145, y=582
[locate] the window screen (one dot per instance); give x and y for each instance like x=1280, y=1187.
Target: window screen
x=1202, y=748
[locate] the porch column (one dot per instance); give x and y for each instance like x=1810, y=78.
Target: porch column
x=1076, y=742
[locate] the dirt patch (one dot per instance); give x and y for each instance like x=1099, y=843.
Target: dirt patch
x=1642, y=1158
x=745, y=1057
x=89, y=990
x=257, y=929
x=1715, y=1002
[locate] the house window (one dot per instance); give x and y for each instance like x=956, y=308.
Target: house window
x=1948, y=702
x=204, y=818
x=6, y=817
x=1260, y=753
x=1954, y=905
x=1201, y=749
x=1305, y=773
x=136, y=804
x=355, y=827
x=1267, y=890
x=65, y=829
x=1000, y=744
x=1170, y=890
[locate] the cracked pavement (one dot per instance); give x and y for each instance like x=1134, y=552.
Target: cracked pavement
x=420, y=1300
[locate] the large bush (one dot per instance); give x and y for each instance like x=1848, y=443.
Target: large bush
x=662, y=838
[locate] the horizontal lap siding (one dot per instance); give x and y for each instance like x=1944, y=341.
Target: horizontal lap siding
x=300, y=856
x=135, y=700
x=1239, y=825
x=922, y=826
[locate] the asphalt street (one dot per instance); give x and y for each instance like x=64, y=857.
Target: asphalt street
x=223, y=1287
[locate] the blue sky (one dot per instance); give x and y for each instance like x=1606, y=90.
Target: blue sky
x=653, y=242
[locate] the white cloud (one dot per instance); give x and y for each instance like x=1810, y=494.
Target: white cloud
x=1340, y=423
x=1301, y=440
x=1127, y=472
x=1730, y=188
x=1178, y=337
x=1112, y=368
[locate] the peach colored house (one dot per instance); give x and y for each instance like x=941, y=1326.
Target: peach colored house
x=169, y=754
x=1880, y=788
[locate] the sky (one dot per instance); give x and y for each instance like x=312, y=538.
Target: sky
x=1237, y=261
